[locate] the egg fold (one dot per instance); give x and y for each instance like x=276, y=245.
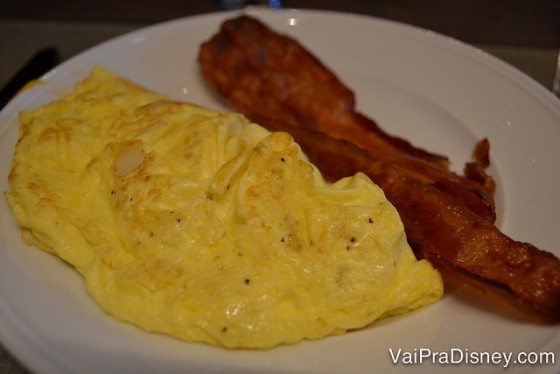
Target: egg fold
x=204, y=226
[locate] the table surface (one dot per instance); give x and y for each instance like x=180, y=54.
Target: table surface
x=523, y=34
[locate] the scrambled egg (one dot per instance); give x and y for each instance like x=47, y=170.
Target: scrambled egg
x=206, y=227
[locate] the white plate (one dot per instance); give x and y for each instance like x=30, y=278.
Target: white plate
x=438, y=92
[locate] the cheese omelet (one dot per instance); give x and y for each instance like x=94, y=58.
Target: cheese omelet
x=204, y=226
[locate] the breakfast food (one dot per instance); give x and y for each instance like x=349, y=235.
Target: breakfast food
x=449, y=218
x=204, y=226
x=271, y=78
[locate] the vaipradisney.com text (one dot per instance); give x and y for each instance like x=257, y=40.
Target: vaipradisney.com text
x=464, y=356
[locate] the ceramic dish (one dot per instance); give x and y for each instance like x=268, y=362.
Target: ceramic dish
x=433, y=90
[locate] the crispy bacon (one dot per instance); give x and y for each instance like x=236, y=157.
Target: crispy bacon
x=270, y=77
x=458, y=242
x=448, y=218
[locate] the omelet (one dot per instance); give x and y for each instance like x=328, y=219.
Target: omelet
x=204, y=226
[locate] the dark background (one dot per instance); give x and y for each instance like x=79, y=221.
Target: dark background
x=507, y=22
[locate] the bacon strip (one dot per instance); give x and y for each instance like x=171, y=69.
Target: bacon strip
x=458, y=242
x=448, y=218
x=270, y=77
